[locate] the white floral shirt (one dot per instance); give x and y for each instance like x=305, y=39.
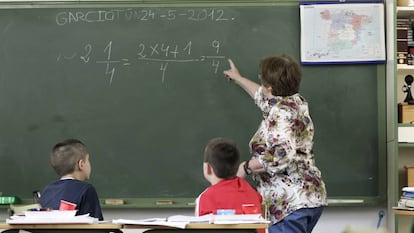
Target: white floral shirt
x=284, y=145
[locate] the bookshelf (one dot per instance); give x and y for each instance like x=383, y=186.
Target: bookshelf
x=404, y=146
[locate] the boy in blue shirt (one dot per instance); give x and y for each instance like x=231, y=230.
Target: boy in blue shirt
x=70, y=159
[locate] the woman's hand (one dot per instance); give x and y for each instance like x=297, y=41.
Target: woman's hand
x=254, y=165
x=233, y=73
x=241, y=173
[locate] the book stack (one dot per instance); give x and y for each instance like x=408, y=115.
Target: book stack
x=403, y=24
x=410, y=43
x=51, y=217
x=407, y=198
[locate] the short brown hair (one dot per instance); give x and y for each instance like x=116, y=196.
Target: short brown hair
x=66, y=154
x=223, y=156
x=282, y=73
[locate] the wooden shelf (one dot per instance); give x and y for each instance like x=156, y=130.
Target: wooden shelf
x=405, y=125
x=404, y=131
x=405, y=11
x=401, y=67
x=405, y=144
x=404, y=212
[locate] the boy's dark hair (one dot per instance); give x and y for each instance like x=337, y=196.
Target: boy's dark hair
x=66, y=154
x=282, y=73
x=223, y=156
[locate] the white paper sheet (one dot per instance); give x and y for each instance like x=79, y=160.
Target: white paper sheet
x=180, y=221
x=30, y=220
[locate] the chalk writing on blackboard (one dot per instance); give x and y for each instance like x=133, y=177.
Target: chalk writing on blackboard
x=141, y=15
x=160, y=52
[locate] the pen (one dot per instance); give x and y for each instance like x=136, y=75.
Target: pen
x=40, y=209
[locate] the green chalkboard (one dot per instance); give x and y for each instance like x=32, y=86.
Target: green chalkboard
x=142, y=85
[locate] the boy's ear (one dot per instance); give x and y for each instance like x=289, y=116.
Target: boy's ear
x=80, y=164
x=209, y=169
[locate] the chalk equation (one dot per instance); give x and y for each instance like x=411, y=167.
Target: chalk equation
x=162, y=53
x=141, y=15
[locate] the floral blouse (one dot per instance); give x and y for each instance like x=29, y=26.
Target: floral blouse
x=283, y=143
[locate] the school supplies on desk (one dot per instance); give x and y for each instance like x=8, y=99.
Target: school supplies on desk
x=151, y=222
x=50, y=213
x=180, y=221
x=239, y=218
x=20, y=209
x=81, y=219
x=51, y=217
x=65, y=205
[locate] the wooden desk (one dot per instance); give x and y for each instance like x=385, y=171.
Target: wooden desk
x=63, y=228
x=198, y=227
x=100, y=226
x=204, y=226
